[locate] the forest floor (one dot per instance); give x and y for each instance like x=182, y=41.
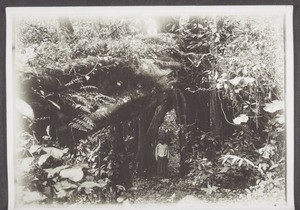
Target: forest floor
x=175, y=189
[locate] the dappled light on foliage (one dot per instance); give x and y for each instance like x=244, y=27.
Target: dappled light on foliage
x=97, y=95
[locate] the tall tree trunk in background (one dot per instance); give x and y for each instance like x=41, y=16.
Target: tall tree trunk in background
x=152, y=133
x=65, y=29
x=135, y=134
x=180, y=109
x=215, y=112
x=143, y=122
x=148, y=134
x=123, y=176
x=141, y=143
x=215, y=106
x=216, y=124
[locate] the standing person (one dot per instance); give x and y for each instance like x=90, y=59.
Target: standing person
x=162, y=155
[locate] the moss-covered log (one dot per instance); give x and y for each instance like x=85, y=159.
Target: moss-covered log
x=127, y=110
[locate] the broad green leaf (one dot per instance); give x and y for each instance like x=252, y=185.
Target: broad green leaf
x=75, y=174
x=274, y=106
x=43, y=159
x=240, y=119
x=25, y=109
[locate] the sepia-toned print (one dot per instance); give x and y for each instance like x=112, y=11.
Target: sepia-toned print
x=149, y=108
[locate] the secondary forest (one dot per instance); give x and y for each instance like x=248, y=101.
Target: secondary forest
x=95, y=95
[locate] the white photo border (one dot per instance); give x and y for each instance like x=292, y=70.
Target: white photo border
x=155, y=10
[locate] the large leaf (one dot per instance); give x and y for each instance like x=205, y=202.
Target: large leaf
x=31, y=197
x=65, y=185
x=26, y=164
x=274, y=106
x=235, y=81
x=267, y=151
x=75, y=174
x=241, y=119
x=225, y=169
x=210, y=189
x=100, y=184
x=43, y=159
x=25, y=109
x=64, y=193
x=248, y=80
x=52, y=171
x=34, y=148
x=280, y=119
x=88, y=186
x=55, y=152
x=121, y=199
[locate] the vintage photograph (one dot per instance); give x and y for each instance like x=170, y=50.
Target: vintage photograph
x=131, y=106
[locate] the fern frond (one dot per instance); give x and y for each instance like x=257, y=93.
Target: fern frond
x=87, y=119
x=83, y=123
x=88, y=88
x=67, y=99
x=74, y=81
x=80, y=99
x=41, y=119
x=82, y=108
x=77, y=126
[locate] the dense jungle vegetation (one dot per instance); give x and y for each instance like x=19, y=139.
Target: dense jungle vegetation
x=96, y=94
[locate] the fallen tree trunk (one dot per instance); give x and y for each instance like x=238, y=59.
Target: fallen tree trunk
x=127, y=111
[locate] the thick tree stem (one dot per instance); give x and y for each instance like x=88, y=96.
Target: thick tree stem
x=65, y=29
x=123, y=176
x=145, y=148
x=215, y=114
x=180, y=109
